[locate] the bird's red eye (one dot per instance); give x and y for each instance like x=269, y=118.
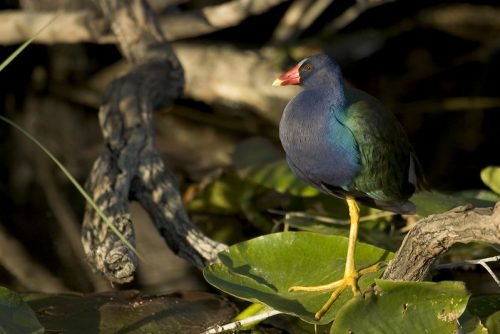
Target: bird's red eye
x=308, y=68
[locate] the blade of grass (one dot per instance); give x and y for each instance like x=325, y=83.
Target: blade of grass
x=24, y=45
x=75, y=183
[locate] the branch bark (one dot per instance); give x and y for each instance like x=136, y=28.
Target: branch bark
x=130, y=166
x=435, y=234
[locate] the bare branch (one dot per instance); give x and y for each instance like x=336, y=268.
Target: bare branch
x=299, y=16
x=451, y=104
x=482, y=262
x=434, y=235
x=213, y=18
x=287, y=26
x=72, y=27
x=352, y=14
x=236, y=325
x=85, y=26
x=468, y=21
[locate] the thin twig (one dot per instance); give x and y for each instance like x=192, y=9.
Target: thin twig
x=299, y=16
x=352, y=14
x=482, y=262
x=310, y=16
x=287, y=27
x=329, y=220
x=234, y=326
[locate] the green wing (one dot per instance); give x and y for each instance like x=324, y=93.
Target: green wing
x=388, y=164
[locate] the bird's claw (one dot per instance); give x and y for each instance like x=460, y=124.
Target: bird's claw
x=350, y=279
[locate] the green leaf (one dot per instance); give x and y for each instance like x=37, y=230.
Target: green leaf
x=315, y=223
x=484, y=306
x=491, y=177
x=428, y=203
x=16, y=317
x=485, y=195
x=405, y=307
x=262, y=269
x=493, y=323
x=223, y=196
x=278, y=176
x=255, y=151
x=471, y=324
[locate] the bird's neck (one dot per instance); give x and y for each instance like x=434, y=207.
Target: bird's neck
x=333, y=85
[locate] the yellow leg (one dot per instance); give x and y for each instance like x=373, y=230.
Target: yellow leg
x=350, y=273
x=351, y=276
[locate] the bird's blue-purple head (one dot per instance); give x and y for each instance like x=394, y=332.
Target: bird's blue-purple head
x=311, y=72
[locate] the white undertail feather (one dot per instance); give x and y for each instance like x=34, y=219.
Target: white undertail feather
x=412, y=175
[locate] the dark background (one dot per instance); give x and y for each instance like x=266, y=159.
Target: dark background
x=435, y=64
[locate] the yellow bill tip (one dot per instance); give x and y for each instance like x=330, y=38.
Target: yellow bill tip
x=277, y=82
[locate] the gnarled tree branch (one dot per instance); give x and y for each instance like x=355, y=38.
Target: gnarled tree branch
x=435, y=234
x=130, y=166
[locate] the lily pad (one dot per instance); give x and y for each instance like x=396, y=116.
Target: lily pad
x=263, y=269
x=16, y=317
x=405, y=307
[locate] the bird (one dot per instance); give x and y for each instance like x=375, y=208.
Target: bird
x=341, y=141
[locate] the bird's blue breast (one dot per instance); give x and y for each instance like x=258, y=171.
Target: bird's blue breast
x=319, y=147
